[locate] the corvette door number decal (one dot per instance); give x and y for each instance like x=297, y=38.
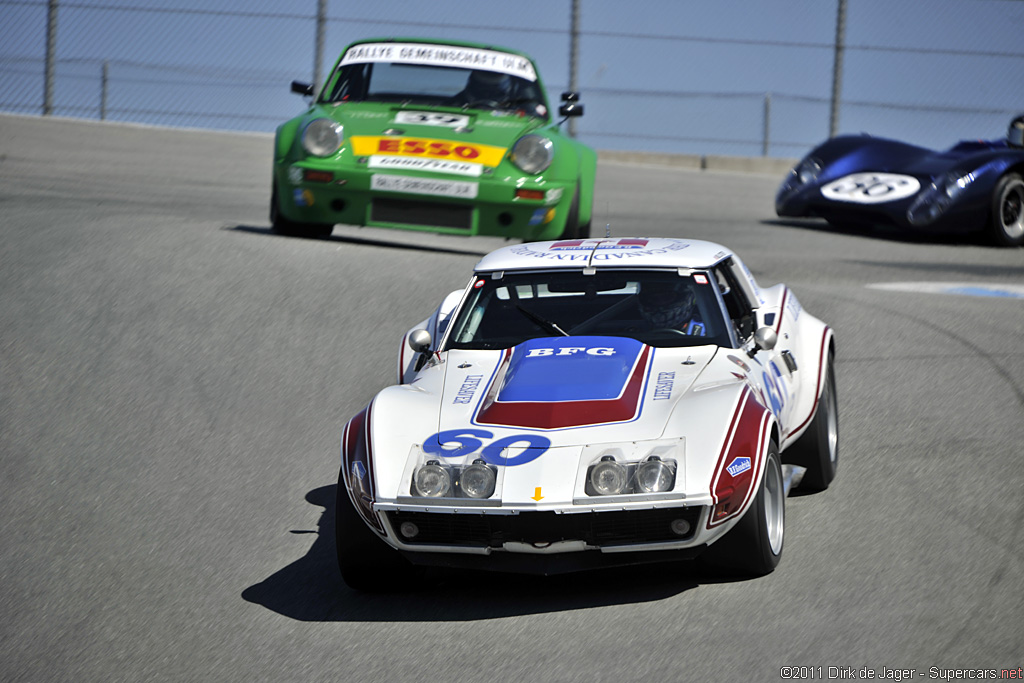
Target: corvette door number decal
x=871, y=188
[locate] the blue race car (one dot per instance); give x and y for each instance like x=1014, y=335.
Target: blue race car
x=863, y=180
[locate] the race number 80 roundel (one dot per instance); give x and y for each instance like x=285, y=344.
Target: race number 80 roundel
x=871, y=188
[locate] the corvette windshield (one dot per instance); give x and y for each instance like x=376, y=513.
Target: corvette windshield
x=436, y=85
x=659, y=308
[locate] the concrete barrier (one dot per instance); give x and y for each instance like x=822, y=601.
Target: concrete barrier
x=697, y=162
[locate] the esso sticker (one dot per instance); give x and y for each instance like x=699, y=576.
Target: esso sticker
x=871, y=188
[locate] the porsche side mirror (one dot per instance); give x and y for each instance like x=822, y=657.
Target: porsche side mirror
x=765, y=339
x=571, y=109
x=301, y=88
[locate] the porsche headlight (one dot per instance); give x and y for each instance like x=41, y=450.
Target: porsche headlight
x=322, y=137
x=533, y=153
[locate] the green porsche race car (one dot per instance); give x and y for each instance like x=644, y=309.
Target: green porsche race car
x=440, y=136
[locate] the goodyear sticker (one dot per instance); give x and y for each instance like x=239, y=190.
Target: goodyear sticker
x=303, y=197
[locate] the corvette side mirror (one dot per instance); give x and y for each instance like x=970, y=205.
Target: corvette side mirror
x=765, y=339
x=419, y=341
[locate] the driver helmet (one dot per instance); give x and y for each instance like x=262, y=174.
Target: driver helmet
x=667, y=304
x=488, y=85
x=1015, y=135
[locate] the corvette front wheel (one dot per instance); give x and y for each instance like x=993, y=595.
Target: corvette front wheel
x=366, y=562
x=1006, y=225
x=817, y=449
x=754, y=546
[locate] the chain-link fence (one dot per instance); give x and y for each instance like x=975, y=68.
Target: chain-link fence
x=727, y=77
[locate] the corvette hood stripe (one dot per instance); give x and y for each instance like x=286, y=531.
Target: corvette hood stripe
x=520, y=395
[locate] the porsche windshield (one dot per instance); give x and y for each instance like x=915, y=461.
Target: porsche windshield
x=656, y=307
x=436, y=85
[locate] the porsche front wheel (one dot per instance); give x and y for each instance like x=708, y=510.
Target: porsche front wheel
x=1006, y=224
x=283, y=226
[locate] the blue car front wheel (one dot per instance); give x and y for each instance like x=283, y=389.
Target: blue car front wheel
x=1007, y=218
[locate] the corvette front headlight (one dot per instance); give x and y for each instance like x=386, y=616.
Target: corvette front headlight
x=433, y=480
x=608, y=477
x=322, y=137
x=630, y=469
x=477, y=480
x=654, y=475
x=463, y=479
x=533, y=153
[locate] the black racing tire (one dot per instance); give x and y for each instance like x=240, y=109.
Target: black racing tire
x=817, y=449
x=754, y=546
x=1006, y=220
x=366, y=562
x=283, y=226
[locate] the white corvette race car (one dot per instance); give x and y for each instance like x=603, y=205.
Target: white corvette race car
x=588, y=403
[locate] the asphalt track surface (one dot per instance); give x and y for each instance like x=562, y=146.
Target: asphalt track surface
x=175, y=378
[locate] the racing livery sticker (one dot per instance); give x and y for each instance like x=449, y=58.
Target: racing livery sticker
x=663, y=386
x=597, y=250
x=509, y=451
x=429, y=165
x=588, y=245
x=734, y=483
x=429, y=148
x=432, y=118
x=428, y=186
x=441, y=55
x=738, y=466
x=554, y=384
x=871, y=188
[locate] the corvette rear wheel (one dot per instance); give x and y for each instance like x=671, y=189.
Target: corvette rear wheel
x=817, y=449
x=283, y=226
x=754, y=546
x=1006, y=224
x=366, y=562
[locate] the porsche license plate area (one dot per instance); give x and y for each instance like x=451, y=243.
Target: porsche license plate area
x=424, y=186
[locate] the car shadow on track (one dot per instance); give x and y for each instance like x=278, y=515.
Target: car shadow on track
x=311, y=589
x=877, y=232
x=365, y=242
